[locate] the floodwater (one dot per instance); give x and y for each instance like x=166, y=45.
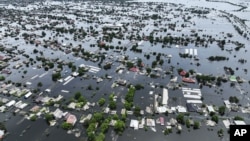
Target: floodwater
x=35, y=131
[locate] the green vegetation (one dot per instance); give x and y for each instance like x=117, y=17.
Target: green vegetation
x=33, y=118
x=233, y=99
x=80, y=99
x=105, y=126
x=222, y=110
x=39, y=84
x=107, y=66
x=238, y=118
x=2, y=78
x=129, y=98
x=81, y=71
x=98, y=116
x=100, y=137
x=184, y=55
x=137, y=110
x=112, y=105
x=167, y=131
x=188, y=124
x=180, y=119
x=239, y=47
x=49, y=117
x=97, y=121
x=215, y=118
x=101, y=101
x=66, y=126
x=205, y=78
x=119, y=126
x=129, y=65
x=196, y=125
x=220, y=133
x=148, y=70
x=139, y=86
x=56, y=76
x=217, y=58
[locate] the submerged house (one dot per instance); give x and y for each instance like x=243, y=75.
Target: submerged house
x=71, y=119
x=188, y=80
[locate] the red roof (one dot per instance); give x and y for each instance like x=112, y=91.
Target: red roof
x=134, y=69
x=2, y=58
x=162, y=120
x=71, y=119
x=188, y=80
x=102, y=43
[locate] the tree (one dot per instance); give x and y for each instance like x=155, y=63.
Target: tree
x=139, y=86
x=167, y=131
x=56, y=76
x=98, y=117
x=112, y=105
x=101, y=101
x=82, y=99
x=91, y=136
x=233, y=99
x=137, y=111
x=130, y=65
x=66, y=126
x=43, y=34
x=115, y=117
x=220, y=132
x=91, y=128
x=33, y=118
x=148, y=70
x=222, y=110
x=119, y=126
x=48, y=117
x=215, y=118
x=196, y=125
x=124, y=117
x=35, y=51
x=180, y=118
x=187, y=74
x=70, y=64
x=139, y=62
x=100, y=137
x=39, y=84
x=238, y=118
x=89, y=87
x=51, y=65
x=128, y=105
x=104, y=127
x=130, y=95
x=77, y=95
x=2, y=78
x=154, y=63
x=161, y=62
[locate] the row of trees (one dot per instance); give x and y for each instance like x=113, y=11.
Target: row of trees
x=98, y=125
x=217, y=58
x=129, y=98
x=181, y=119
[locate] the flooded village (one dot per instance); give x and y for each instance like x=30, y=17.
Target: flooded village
x=116, y=71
